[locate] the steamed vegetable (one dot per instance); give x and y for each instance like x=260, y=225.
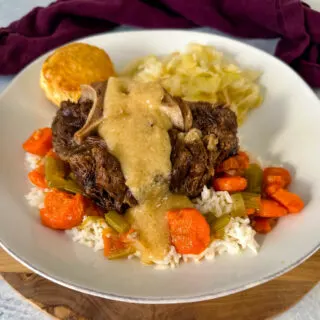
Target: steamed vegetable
x=55, y=175
x=238, y=205
x=245, y=203
x=39, y=143
x=237, y=163
x=201, y=73
x=250, y=211
x=117, y=222
x=37, y=177
x=116, y=246
x=271, y=209
x=62, y=210
x=274, y=176
x=220, y=223
x=230, y=184
x=292, y=202
x=189, y=230
x=210, y=218
x=271, y=189
x=263, y=225
x=251, y=200
x=254, y=176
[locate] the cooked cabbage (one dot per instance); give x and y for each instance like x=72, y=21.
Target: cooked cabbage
x=201, y=73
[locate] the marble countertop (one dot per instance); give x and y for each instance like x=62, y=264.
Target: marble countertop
x=13, y=306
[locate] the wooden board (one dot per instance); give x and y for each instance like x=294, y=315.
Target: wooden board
x=262, y=302
x=9, y=264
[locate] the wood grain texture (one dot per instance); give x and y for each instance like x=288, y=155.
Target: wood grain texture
x=262, y=302
x=9, y=264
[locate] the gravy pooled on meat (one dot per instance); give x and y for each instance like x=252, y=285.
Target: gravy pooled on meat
x=136, y=132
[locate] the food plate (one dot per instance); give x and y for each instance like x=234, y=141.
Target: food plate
x=285, y=129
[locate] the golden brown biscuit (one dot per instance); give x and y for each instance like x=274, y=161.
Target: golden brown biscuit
x=69, y=67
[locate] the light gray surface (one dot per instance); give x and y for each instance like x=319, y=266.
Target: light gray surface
x=12, y=306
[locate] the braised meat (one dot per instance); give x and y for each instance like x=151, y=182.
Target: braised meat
x=191, y=168
x=95, y=169
x=195, y=154
x=203, y=136
x=217, y=124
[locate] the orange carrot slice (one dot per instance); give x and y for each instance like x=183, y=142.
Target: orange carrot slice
x=271, y=189
x=112, y=242
x=189, y=230
x=276, y=176
x=230, y=184
x=37, y=177
x=250, y=211
x=271, y=209
x=116, y=245
x=39, y=143
x=237, y=162
x=289, y=200
x=263, y=225
x=62, y=210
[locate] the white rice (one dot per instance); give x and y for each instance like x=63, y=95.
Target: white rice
x=89, y=234
x=32, y=161
x=35, y=197
x=216, y=202
x=171, y=260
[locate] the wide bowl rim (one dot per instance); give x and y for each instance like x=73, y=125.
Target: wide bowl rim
x=170, y=300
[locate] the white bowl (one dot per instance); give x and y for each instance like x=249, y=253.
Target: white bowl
x=285, y=129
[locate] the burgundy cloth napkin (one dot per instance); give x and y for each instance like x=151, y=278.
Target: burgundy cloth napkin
x=64, y=20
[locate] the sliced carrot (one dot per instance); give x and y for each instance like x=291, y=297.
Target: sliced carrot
x=39, y=143
x=229, y=164
x=276, y=176
x=230, y=184
x=116, y=245
x=37, y=177
x=263, y=225
x=245, y=158
x=250, y=211
x=237, y=162
x=189, y=230
x=62, y=210
x=112, y=243
x=271, y=189
x=291, y=201
x=271, y=209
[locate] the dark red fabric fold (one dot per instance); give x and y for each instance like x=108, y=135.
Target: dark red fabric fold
x=297, y=26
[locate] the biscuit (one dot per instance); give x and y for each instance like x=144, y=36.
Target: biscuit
x=70, y=66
